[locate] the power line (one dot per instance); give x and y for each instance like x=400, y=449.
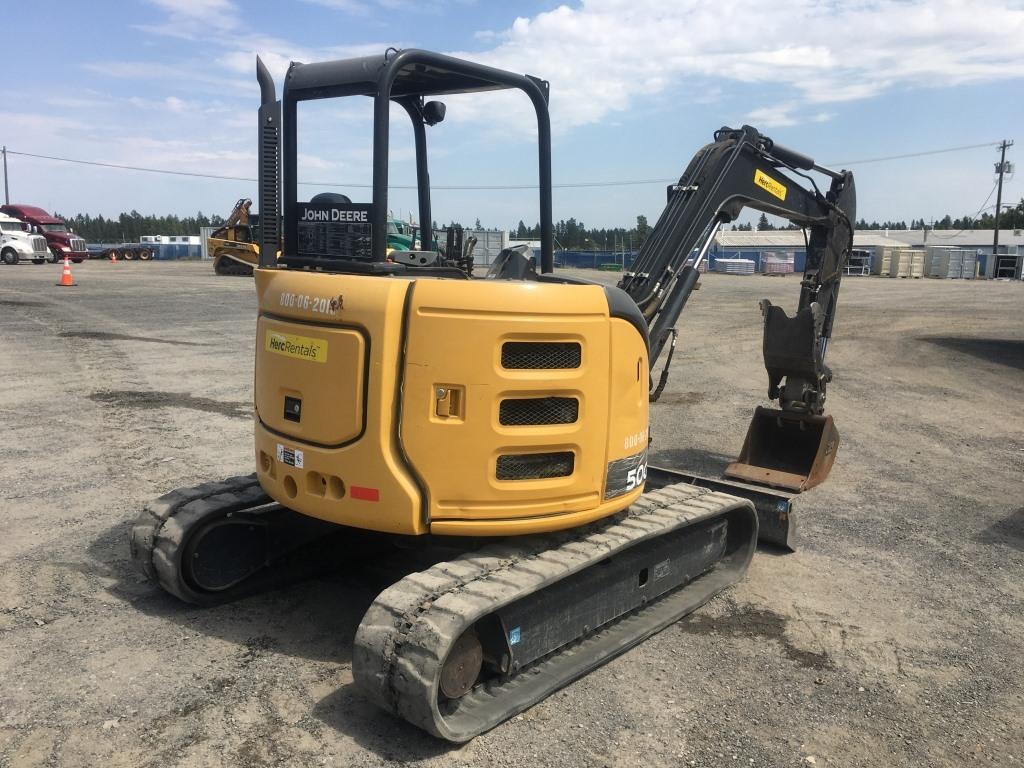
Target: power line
x=973, y=217
x=916, y=154
x=336, y=184
x=479, y=187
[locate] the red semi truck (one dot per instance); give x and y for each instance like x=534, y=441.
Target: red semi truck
x=59, y=238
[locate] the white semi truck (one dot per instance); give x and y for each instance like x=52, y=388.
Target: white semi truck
x=17, y=242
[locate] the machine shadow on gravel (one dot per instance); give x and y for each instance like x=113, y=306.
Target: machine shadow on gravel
x=314, y=619
x=1009, y=352
x=348, y=712
x=1009, y=531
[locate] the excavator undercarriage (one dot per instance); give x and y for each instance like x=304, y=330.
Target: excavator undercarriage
x=494, y=431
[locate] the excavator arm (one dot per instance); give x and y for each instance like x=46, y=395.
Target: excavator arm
x=792, y=447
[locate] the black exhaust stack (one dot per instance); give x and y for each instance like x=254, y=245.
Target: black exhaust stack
x=269, y=181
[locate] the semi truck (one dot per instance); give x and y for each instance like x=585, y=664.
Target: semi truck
x=60, y=239
x=18, y=243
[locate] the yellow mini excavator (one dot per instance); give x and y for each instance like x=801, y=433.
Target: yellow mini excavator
x=504, y=418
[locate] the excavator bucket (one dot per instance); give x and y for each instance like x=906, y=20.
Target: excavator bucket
x=786, y=450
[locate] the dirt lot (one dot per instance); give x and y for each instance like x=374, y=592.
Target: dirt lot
x=893, y=637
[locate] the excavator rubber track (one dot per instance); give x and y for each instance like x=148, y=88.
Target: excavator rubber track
x=415, y=633
x=221, y=541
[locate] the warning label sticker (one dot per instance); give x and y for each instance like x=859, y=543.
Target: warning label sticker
x=290, y=456
x=299, y=347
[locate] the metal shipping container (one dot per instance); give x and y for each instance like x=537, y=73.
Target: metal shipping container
x=943, y=261
x=489, y=243
x=907, y=262
x=881, y=264
x=970, y=265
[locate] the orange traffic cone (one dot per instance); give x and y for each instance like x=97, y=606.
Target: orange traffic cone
x=65, y=277
x=113, y=256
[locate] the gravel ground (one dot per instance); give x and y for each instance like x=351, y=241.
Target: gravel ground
x=893, y=637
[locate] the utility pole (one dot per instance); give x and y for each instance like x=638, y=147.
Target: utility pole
x=1000, y=169
x=7, y=194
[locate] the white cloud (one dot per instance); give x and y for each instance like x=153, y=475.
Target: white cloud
x=186, y=18
x=604, y=55
x=773, y=116
x=607, y=61
x=349, y=6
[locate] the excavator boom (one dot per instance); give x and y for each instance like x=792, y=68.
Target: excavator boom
x=791, y=447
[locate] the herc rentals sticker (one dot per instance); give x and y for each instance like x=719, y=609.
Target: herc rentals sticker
x=299, y=347
x=769, y=185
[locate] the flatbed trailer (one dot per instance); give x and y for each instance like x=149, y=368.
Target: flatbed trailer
x=125, y=251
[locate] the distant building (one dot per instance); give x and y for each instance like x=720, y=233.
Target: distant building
x=788, y=242
x=757, y=246
x=977, y=239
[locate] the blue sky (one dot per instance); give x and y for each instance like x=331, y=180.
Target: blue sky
x=636, y=87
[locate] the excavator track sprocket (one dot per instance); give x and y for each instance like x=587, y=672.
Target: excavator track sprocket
x=535, y=613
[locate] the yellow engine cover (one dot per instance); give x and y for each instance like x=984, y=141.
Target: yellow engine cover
x=483, y=407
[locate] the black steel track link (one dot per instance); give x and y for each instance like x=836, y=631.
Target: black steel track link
x=404, y=638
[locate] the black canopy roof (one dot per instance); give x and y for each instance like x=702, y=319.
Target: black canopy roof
x=415, y=73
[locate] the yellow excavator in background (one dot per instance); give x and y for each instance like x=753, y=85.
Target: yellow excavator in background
x=502, y=420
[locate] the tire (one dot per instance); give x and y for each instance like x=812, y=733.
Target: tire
x=128, y=255
x=10, y=256
x=145, y=254
x=55, y=258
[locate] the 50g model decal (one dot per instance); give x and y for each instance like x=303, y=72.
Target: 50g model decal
x=636, y=476
x=625, y=475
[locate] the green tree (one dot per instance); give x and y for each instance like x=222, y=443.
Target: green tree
x=643, y=230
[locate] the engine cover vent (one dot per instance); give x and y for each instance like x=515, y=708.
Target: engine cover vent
x=534, y=411
x=535, y=466
x=540, y=354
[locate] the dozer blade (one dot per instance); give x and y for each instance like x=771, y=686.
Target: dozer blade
x=786, y=450
x=776, y=515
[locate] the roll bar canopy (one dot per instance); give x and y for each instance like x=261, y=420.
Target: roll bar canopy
x=405, y=77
